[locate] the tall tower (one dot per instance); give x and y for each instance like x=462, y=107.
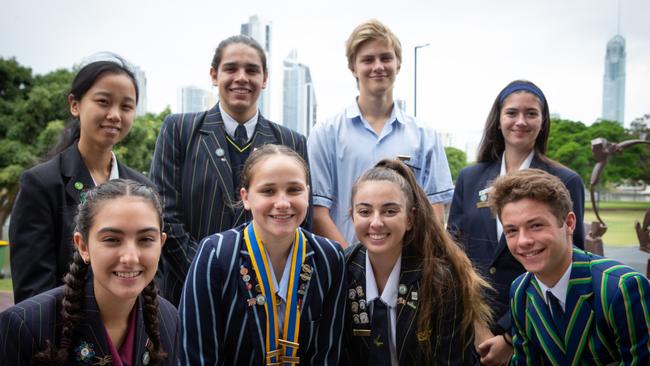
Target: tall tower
x=141, y=79
x=614, y=81
x=194, y=99
x=299, y=104
x=260, y=30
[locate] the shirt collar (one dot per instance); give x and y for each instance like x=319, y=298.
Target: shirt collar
x=231, y=124
x=389, y=296
x=524, y=165
x=560, y=289
x=115, y=174
x=353, y=112
x=282, y=287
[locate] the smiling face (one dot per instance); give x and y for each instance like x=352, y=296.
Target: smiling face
x=123, y=247
x=375, y=68
x=521, y=121
x=278, y=197
x=537, y=240
x=106, y=111
x=240, y=78
x=380, y=217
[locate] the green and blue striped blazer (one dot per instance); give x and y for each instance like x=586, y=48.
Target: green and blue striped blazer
x=607, y=307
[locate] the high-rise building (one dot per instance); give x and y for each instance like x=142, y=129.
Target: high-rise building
x=614, y=81
x=193, y=99
x=260, y=30
x=299, y=104
x=141, y=79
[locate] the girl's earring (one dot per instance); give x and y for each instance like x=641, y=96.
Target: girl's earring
x=86, y=260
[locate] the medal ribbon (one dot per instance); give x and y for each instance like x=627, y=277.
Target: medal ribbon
x=263, y=270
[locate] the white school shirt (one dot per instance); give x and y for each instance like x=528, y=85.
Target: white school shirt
x=560, y=288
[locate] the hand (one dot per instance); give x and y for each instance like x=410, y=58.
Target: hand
x=495, y=351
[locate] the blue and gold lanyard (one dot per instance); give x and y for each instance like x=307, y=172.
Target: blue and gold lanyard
x=291, y=329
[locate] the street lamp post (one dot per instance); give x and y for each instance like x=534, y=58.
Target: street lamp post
x=415, y=80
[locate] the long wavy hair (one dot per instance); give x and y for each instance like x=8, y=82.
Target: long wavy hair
x=75, y=280
x=445, y=267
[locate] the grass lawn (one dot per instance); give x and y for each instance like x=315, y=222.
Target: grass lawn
x=619, y=217
x=5, y=285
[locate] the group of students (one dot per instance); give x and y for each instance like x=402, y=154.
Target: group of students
x=230, y=239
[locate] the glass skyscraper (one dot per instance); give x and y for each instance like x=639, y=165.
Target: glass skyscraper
x=260, y=30
x=614, y=81
x=299, y=100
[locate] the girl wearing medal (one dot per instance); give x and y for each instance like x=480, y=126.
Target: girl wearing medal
x=102, y=101
x=515, y=137
x=266, y=292
x=108, y=310
x=412, y=293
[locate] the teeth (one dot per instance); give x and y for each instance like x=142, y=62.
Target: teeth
x=281, y=217
x=127, y=274
x=377, y=236
x=530, y=254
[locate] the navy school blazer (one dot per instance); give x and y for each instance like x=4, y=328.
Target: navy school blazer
x=475, y=229
x=218, y=327
x=42, y=220
x=25, y=327
x=448, y=347
x=607, y=304
x=192, y=170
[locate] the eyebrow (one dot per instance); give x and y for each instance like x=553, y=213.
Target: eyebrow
x=383, y=205
x=234, y=63
x=109, y=95
x=120, y=231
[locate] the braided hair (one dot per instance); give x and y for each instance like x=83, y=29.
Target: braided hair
x=74, y=281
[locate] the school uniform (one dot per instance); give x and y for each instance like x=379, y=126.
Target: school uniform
x=448, y=346
x=42, y=220
x=605, y=317
x=224, y=313
x=196, y=167
x=472, y=224
x=25, y=328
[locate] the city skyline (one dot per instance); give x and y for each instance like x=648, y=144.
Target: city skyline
x=261, y=30
x=614, y=81
x=299, y=97
x=476, y=49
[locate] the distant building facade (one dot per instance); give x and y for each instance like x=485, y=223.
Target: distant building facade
x=299, y=97
x=194, y=99
x=614, y=81
x=141, y=79
x=260, y=30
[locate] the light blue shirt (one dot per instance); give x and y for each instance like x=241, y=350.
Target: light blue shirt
x=343, y=147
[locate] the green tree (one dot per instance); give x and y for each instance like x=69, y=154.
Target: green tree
x=457, y=160
x=136, y=149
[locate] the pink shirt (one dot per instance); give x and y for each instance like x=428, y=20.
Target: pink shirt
x=123, y=357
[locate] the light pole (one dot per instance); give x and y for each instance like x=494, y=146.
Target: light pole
x=415, y=80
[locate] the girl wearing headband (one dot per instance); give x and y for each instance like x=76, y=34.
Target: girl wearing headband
x=108, y=311
x=413, y=296
x=266, y=292
x=102, y=102
x=515, y=137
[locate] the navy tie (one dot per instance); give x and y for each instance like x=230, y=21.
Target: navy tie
x=379, y=351
x=556, y=312
x=241, y=137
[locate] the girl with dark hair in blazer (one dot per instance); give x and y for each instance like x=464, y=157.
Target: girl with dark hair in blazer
x=102, y=101
x=412, y=294
x=108, y=310
x=267, y=292
x=515, y=137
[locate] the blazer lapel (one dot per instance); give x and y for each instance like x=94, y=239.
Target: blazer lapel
x=539, y=316
x=487, y=219
x=142, y=343
x=579, y=307
x=76, y=173
x=91, y=346
x=216, y=147
x=256, y=315
x=357, y=271
x=263, y=134
x=407, y=307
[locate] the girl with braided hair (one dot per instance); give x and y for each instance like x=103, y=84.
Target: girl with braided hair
x=108, y=311
x=412, y=294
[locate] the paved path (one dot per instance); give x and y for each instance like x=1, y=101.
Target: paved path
x=631, y=256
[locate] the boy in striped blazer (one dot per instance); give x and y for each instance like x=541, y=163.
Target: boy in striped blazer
x=570, y=307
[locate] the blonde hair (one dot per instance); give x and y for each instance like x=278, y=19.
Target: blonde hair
x=369, y=30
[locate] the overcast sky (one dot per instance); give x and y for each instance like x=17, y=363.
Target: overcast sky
x=476, y=47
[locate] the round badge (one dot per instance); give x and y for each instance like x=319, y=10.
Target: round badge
x=362, y=304
x=246, y=278
x=363, y=318
x=402, y=289
x=243, y=271
x=260, y=300
x=306, y=267
x=355, y=319
x=78, y=185
x=220, y=153
x=359, y=290
x=352, y=294
x=258, y=288
x=354, y=306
